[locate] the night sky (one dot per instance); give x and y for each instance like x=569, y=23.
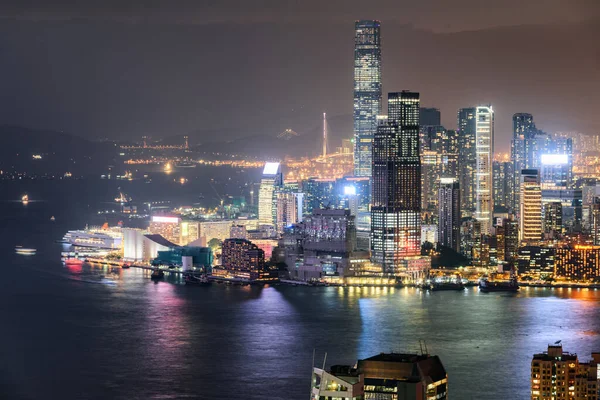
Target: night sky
x=122, y=69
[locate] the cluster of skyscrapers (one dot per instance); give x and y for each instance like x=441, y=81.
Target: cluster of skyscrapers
x=415, y=181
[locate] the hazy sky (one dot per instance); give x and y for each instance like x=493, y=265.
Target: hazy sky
x=240, y=67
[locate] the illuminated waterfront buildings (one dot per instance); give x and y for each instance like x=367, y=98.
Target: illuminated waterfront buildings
x=577, y=263
x=242, y=255
x=530, y=228
x=396, y=184
x=167, y=227
x=467, y=159
x=367, y=92
x=271, y=180
x=321, y=245
x=484, y=148
x=559, y=375
x=449, y=213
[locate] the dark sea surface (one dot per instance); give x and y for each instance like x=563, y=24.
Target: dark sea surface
x=98, y=333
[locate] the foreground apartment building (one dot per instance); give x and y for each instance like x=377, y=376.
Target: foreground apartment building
x=389, y=376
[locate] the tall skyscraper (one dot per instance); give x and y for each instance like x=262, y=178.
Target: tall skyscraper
x=484, y=147
x=467, y=159
x=449, y=213
x=530, y=228
x=396, y=183
x=503, y=177
x=271, y=179
x=367, y=92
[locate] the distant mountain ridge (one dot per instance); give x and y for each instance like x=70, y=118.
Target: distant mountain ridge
x=60, y=152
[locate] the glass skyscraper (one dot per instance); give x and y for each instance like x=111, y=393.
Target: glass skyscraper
x=396, y=184
x=484, y=147
x=467, y=159
x=367, y=92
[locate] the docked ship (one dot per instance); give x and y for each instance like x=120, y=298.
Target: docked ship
x=454, y=284
x=98, y=238
x=512, y=285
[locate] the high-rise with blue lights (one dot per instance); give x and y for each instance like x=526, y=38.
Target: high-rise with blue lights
x=367, y=92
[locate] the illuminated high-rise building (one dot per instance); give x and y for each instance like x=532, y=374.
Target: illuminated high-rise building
x=556, y=374
x=467, y=159
x=449, y=213
x=552, y=220
x=484, y=147
x=289, y=208
x=271, y=179
x=523, y=129
x=396, y=184
x=530, y=228
x=367, y=92
x=503, y=177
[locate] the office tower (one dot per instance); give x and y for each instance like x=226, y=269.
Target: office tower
x=449, y=213
x=429, y=117
x=467, y=160
x=523, y=128
x=530, y=228
x=288, y=209
x=559, y=375
x=595, y=211
x=552, y=220
x=271, y=180
x=484, y=138
x=511, y=238
x=537, y=261
x=430, y=175
x=396, y=184
x=391, y=376
x=503, y=177
x=557, y=169
x=367, y=92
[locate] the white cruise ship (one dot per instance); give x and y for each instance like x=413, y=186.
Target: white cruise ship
x=99, y=238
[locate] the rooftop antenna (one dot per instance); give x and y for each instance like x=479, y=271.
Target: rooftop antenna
x=324, y=135
x=324, y=360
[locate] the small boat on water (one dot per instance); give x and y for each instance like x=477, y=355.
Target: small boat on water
x=25, y=199
x=125, y=266
x=52, y=218
x=157, y=274
x=191, y=279
x=25, y=251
